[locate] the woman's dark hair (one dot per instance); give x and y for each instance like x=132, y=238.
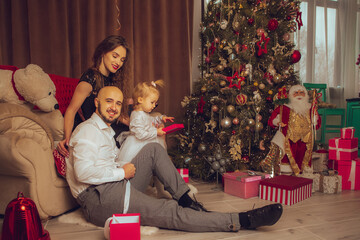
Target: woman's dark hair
x=121, y=77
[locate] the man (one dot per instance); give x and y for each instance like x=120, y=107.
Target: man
x=103, y=186
x=294, y=140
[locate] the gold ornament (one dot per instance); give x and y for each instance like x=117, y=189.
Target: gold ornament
x=203, y=89
x=277, y=78
x=222, y=83
x=261, y=86
x=256, y=84
x=220, y=67
x=230, y=109
x=270, y=92
x=251, y=122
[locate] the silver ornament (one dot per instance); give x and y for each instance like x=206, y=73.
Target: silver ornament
x=223, y=24
x=202, y=147
x=221, y=170
x=218, y=156
x=222, y=162
x=211, y=159
x=226, y=122
x=187, y=160
x=215, y=165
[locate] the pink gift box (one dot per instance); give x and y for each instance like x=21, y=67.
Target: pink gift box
x=172, y=128
x=349, y=171
x=125, y=226
x=285, y=189
x=347, y=133
x=343, y=149
x=243, y=185
x=184, y=172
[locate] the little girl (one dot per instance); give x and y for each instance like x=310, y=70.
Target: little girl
x=144, y=128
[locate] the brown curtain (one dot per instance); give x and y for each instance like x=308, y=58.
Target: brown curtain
x=61, y=35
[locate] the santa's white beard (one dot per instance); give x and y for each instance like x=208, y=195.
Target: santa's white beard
x=300, y=106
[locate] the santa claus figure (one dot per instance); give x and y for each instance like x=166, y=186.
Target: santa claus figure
x=291, y=147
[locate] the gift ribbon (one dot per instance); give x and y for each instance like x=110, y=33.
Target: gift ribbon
x=337, y=149
x=343, y=132
x=352, y=174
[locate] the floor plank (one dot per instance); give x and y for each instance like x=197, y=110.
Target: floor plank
x=323, y=216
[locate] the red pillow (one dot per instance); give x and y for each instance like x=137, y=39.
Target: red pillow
x=60, y=163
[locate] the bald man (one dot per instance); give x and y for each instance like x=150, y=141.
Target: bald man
x=104, y=187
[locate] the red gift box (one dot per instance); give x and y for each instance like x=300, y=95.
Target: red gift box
x=343, y=149
x=125, y=226
x=347, y=133
x=285, y=189
x=184, y=172
x=243, y=184
x=350, y=172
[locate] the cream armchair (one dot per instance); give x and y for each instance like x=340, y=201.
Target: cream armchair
x=27, y=163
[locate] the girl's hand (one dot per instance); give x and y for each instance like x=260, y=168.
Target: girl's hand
x=125, y=120
x=160, y=132
x=171, y=119
x=62, y=147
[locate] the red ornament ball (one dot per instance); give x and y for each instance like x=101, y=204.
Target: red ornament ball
x=295, y=56
x=215, y=108
x=273, y=24
x=207, y=60
x=288, y=18
x=251, y=21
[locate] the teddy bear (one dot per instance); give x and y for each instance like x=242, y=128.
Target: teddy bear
x=29, y=86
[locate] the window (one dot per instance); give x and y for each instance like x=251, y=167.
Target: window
x=329, y=44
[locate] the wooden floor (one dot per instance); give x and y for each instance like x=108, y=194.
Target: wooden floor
x=322, y=216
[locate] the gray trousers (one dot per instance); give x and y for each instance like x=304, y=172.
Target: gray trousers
x=102, y=201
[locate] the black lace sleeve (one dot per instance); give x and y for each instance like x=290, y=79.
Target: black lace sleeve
x=89, y=77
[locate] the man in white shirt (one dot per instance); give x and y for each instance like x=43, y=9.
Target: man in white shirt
x=103, y=186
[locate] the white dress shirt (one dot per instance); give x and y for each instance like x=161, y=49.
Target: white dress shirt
x=93, y=155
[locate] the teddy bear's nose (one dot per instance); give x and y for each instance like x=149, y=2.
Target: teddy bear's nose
x=56, y=106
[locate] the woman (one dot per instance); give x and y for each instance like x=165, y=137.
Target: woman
x=110, y=68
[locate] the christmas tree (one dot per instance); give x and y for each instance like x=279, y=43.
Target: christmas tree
x=248, y=63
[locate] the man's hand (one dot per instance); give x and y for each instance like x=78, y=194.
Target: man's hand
x=129, y=170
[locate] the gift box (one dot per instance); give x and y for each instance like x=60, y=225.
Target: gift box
x=319, y=160
x=343, y=149
x=285, y=189
x=244, y=184
x=349, y=171
x=184, y=172
x=347, y=133
x=331, y=184
x=125, y=226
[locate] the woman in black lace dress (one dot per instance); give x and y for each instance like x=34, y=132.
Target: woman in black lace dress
x=110, y=68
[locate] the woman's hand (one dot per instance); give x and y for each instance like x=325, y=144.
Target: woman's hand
x=62, y=147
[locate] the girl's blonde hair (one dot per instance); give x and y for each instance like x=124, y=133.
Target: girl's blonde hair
x=144, y=89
